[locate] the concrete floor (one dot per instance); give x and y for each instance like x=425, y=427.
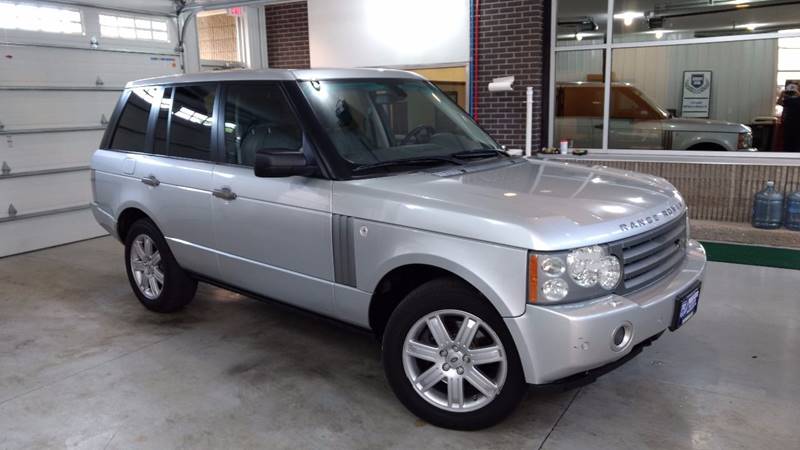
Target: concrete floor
x=82, y=365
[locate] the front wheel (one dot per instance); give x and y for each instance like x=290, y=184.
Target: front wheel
x=450, y=359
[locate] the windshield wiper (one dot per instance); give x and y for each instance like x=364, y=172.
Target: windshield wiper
x=482, y=153
x=424, y=161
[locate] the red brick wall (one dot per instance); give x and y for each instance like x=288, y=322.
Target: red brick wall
x=287, y=35
x=512, y=41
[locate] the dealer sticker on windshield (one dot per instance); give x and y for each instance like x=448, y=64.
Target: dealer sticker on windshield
x=685, y=307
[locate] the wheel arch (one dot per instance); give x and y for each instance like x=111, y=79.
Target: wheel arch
x=409, y=273
x=708, y=146
x=129, y=214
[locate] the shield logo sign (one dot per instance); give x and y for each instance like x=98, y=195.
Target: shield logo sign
x=698, y=79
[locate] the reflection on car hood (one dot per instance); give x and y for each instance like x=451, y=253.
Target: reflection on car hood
x=687, y=124
x=539, y=205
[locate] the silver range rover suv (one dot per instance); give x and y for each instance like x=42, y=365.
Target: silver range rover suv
x=370, y=197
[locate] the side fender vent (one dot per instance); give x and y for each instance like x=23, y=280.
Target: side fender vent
x=344, y=262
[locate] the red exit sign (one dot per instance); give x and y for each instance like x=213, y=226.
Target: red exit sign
x=235, y=11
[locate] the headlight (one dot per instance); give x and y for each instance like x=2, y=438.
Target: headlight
x=745, y=141
x=580, y=274
x=583, y=265
x=609, y=273
x=555, y=289
x=553, y=266
x=590, y=266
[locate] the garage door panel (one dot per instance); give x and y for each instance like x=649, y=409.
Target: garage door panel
x=17, y=236
x=33, y=66
x=50, y=109
x=46, y=192
x=46, y=85
x=41, y=151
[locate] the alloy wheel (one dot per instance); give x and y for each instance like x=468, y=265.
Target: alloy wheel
x=454, y=360
x=147, y=267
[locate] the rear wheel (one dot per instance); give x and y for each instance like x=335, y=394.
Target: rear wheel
x=156, y=278
x=450, y=359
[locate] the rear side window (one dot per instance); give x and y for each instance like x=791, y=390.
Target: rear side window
x=132, y=125
x=258, y=117
x=191, y=121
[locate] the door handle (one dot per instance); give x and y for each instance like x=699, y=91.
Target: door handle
x=224, y=193
x=151, y=181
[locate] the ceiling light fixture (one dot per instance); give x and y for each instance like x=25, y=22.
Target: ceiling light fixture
x=628, y=17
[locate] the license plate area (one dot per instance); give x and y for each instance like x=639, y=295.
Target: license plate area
x=685, y=306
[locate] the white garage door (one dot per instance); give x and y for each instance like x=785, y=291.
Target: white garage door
x=57, y=87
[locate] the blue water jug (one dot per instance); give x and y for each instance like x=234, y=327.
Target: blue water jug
x=768, y=207
x=792, y=217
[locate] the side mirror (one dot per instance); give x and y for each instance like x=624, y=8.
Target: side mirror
x=282, y=163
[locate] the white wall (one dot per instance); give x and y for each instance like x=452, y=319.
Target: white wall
x=368, y=33
x=743, y=74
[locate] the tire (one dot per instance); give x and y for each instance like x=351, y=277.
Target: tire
x=175, y=289
x=436, y=373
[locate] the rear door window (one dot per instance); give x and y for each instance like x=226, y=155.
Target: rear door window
x=132, y=124
x=191, y=121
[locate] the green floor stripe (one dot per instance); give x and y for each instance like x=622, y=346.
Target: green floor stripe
x=753, y=255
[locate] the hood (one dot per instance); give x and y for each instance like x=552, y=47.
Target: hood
x=540, y=205
x=687, y=124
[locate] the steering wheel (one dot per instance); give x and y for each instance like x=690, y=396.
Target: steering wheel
x=419, y=135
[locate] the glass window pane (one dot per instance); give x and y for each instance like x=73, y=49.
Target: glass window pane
x=190, y=129
x=218, y=37
x=785, y=77
x=688, y=97
x=127, y=33
x=637, y=20
x=40, y=18
x=579, y=94
x=126, y=22
x=132, y=125
x=159, y=25
x=258, y=118
x=789, y=59
x=160, y=36
x=581, y=22
x=108, y=20
x=376, y=120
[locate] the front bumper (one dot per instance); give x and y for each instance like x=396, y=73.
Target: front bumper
x=558, y=341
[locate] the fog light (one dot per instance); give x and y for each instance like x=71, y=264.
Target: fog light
x=621, y=337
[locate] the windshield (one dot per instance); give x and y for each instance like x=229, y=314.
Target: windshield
x=660, y=111
x=383, y=120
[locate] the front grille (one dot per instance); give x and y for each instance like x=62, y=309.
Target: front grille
x=651, y=256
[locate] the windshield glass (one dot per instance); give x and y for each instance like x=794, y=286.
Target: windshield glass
x=660, y=111
x=375, y=121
